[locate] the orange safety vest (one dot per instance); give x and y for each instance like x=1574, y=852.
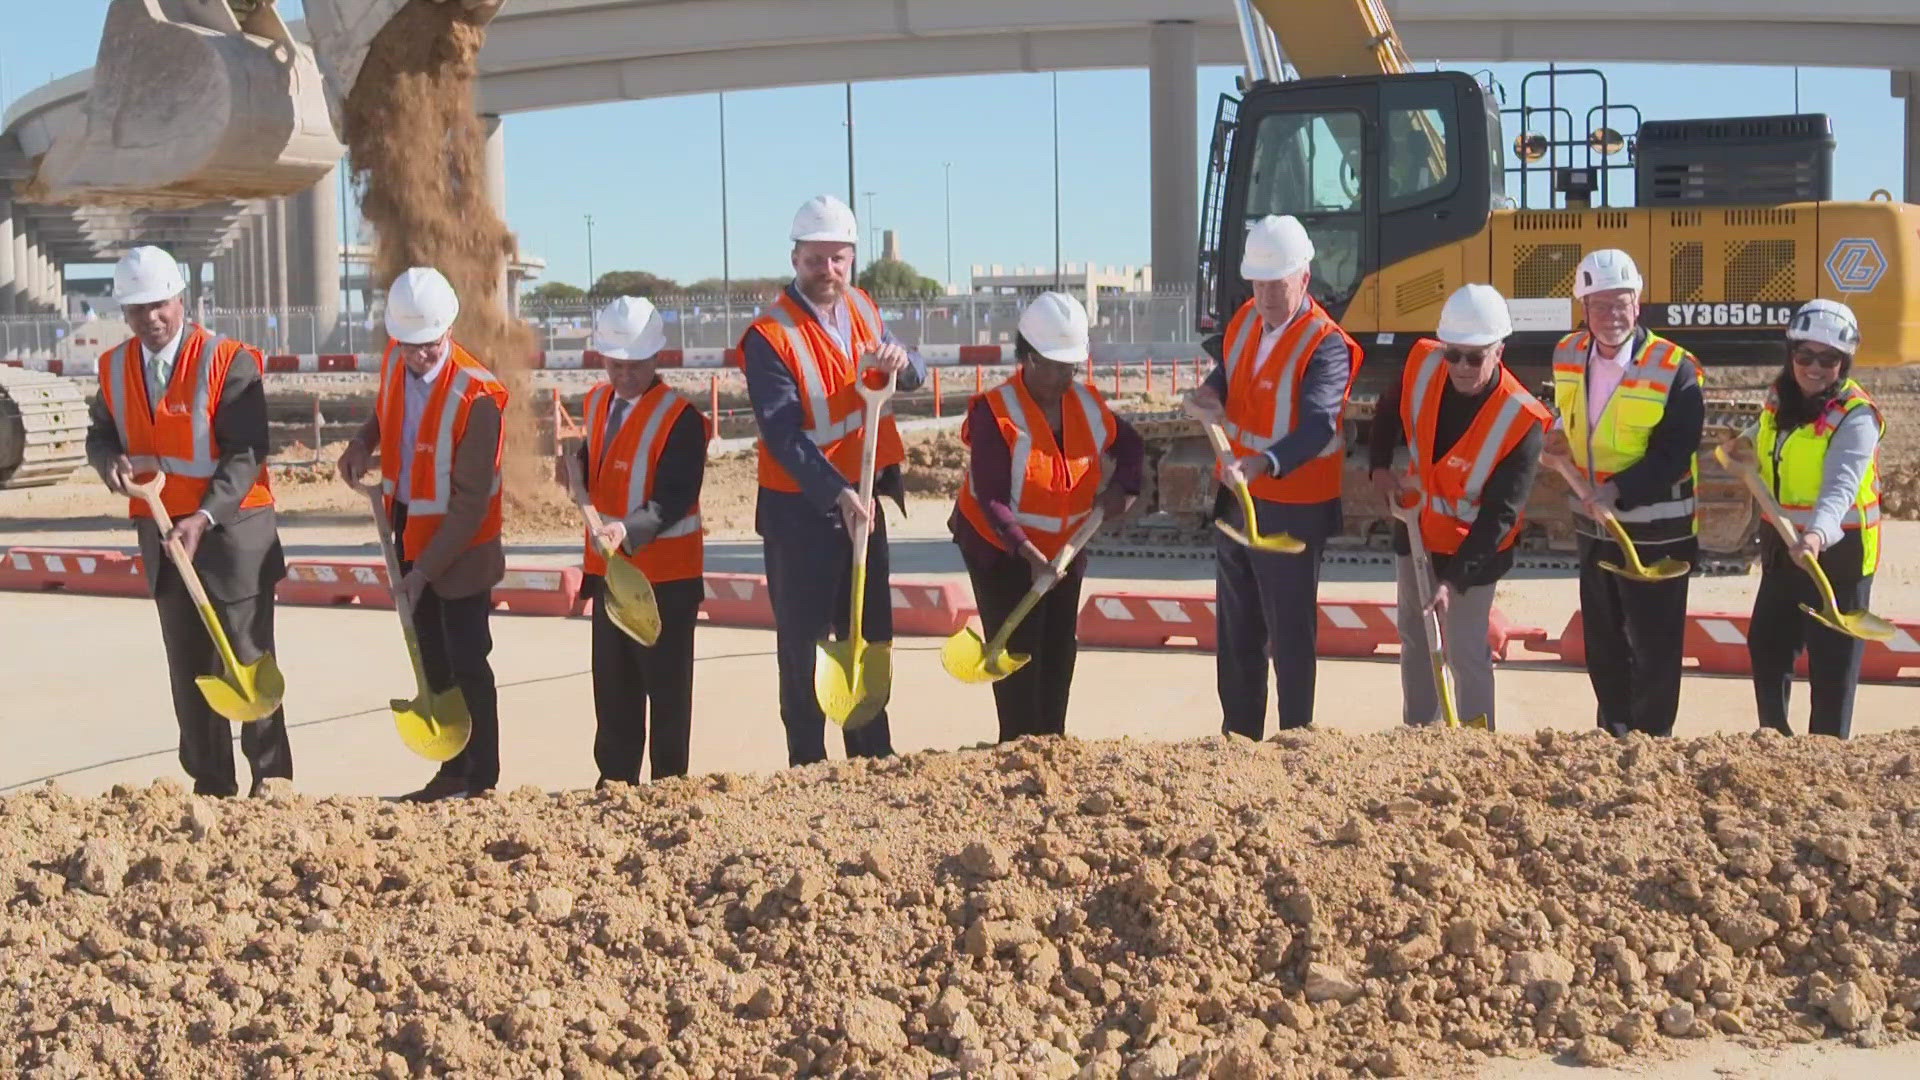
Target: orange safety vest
x=179, y=431
x=1453, y=484
x=1263, y=399
x=620, y=480
x=443, y=423
x=1054, y=482
x=834, y=412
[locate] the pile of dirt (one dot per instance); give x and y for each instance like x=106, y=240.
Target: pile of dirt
x=936, y=464
x=417, y=149
x=1319, y=905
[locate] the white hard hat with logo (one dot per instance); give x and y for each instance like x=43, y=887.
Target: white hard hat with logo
x=1826, y=322
x=146, y=275
x=1604, y=270
x=630, y=328
x=824, y=217
x=421, y=306
x=1055, y=324
x=1277, y=247
x=1474, y=316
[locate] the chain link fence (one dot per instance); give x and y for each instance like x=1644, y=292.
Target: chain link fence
x=692, y=322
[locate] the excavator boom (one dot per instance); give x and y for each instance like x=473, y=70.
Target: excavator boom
x=1336, y=37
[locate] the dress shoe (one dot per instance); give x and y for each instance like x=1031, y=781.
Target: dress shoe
x=440, y=787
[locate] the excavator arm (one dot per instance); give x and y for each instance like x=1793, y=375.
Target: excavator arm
x=194, y=101
x=1336, y=37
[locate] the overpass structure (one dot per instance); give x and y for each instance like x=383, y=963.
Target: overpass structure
x=547, y=54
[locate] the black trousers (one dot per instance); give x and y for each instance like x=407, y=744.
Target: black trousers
x=1268, y=615
x=1779, y=630
x=809, y=559
x=455, y=641
x=1636, y=637
x=631, y=680
x=1032, y=700
x=206, y=737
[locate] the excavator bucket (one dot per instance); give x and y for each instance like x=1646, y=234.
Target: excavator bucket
x=193, y=101
x=201, y=100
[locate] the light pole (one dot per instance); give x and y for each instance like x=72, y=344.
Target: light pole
x=851, y=201
x=873, y=242
x=948, y=166
x=726, y=267
x=1056, y=181
x=590, y=278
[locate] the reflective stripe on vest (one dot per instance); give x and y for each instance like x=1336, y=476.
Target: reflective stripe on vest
x=1793, y=466
x=1487, y=440
x=821, y=427
x=1095, y=418
x=451, y=407
x=205, y=461
x=1291, y=350
x=1601, y=450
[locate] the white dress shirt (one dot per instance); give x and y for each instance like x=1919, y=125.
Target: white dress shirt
x=419, y=388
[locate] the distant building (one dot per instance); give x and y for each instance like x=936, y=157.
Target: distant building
x=1083, y=280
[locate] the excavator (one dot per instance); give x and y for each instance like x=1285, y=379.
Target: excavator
x=191, y=101
x=1400, y=177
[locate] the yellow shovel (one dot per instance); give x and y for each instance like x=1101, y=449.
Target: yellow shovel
x=1864, y=625
x=1635, y=570
x=852, y=679
x=628, y=594
x=243, y=693
x=1251, y=538
x=434, y=725
x=1409, y=516
x=970, y=660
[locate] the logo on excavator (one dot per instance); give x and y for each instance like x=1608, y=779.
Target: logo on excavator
x=1856, y=264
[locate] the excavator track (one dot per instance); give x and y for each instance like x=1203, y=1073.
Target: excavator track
x=1178, y=497
x=43, y=427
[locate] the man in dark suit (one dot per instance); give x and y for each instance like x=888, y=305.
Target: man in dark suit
x=153, y=390
x=437, y=430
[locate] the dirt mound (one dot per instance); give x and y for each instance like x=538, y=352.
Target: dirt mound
x=1315, y=906
x=936, y=464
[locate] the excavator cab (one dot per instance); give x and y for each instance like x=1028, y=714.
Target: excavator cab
x=194, y=101
x=1379, y=170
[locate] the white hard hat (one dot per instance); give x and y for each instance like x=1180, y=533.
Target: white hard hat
x=1055, y=324
x=146, y=275
x=421, y=306
x=629, y=329
x=1826, y=322
x=824, y=217
x=1475, y=315
x=1608, y=268
x=1277, y=247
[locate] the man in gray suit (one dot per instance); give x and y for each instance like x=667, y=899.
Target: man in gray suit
x=437, y=433
x=152, y=392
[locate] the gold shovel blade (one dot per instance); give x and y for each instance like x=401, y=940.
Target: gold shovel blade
x=630, y=601
x=252, y=695
x=1664, y=570
x=1864, y=625
x=438, y=728
x=965, y=658
x=852, y=684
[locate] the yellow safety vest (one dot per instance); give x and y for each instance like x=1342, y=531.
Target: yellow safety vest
x=1794, y=462
x=1626, y=427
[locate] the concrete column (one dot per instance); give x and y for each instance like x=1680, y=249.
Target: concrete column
x=8, y=287
x=277, y=243
x=23, y=299
x=262, y=257
x=1906, y=84
x=36, y=278
x=57, y=284
x=194, y=292
x=1173, y=134
x=313, y=241
x=496, y=180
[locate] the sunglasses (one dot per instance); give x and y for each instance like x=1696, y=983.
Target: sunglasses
x=1826, y=358
x=1464, y=357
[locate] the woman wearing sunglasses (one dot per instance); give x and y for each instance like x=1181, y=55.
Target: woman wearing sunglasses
x=1815, y=447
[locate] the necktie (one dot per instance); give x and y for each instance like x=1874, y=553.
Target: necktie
x=614, y=416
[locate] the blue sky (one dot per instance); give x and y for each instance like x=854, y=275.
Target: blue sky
x=648, y=171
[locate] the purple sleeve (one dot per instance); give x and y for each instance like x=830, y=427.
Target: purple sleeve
x=1129, y=458
x=991, y=470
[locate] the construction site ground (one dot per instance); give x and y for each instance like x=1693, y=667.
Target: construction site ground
x=87, y=706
